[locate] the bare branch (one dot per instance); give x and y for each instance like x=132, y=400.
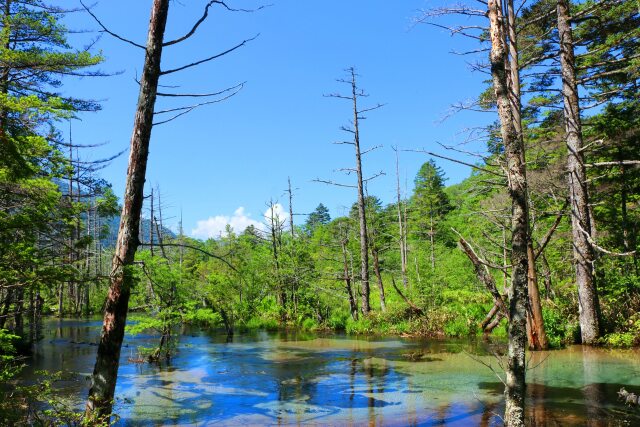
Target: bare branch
x=188, y=109
x=211, y=58
x=198, y=95
x=106, y=30
x=381, y=173
x=371, y=149
x=615, y=163
x=322, y=181
x=457, y=161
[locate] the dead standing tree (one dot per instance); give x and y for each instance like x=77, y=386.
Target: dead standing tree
x=517, y=184
x=353, y=97
x=101, y=393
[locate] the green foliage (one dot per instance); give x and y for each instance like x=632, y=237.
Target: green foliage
x=320, y=216
x=9, y=366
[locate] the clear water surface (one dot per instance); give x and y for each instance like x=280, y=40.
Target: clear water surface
x=306, y=379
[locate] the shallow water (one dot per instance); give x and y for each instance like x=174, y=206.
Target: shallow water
x=308, y=379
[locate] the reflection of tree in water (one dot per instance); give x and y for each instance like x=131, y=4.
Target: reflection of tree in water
x=594, y=404
x=594, y=394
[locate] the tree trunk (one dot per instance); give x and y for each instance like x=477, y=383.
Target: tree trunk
x=516, y=177
x=538, y=335
x=364, y=246
x=432, y=241
x=105, y=373
x=583, y=252
x=353, y=306
x=401, y=228
x=376, y=270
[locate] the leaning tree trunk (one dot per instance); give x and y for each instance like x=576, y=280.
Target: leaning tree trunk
x=100, y=401
x=583, y=251
x=516, y=176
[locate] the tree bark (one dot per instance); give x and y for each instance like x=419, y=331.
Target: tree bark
x=364, y=246
x=401, y=228
x=100, y=401
x=583, y=251
x=537, y=336
x=353, y=306
x=516, y=177
x=376, y=270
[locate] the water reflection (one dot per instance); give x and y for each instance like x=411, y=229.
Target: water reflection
x=294, y=379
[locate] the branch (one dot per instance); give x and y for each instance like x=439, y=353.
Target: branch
x=370, y=109
x=616, y=163
x=547, y=237
x=203, y=18
x=190, y=108
x=413, y=307
x=457, y=161
x=106, y=30
x=600, y=248
x=381, y=173
x=195, y=248
x=333, y=183
x=211, y=58
x=482, y=271
x=197, y=95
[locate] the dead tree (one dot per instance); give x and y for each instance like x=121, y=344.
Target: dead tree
x=402, y=226
x=537, y=336
x=274, y=226
x=517, y=185
x=105, y=372
x=353, y=97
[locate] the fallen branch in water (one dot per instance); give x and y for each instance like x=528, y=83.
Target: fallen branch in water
x=630, y=399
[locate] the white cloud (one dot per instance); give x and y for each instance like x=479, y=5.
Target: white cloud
x=216, y=226
x=278, y=213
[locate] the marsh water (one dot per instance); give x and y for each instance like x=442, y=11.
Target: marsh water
x=279, y=378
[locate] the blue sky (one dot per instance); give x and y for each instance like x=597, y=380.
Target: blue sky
x=226, y=161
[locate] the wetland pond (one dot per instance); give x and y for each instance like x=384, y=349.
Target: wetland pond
x=278, y=378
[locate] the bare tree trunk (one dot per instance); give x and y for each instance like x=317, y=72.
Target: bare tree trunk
x=275, y=245
x=516, y=177
x=151, y=221
x=537, y=336
x=401, y=228
x=364, y=245
x=583, y=251
x=291, y=208
x=105, y=373
x=431, y=239
x=353, y=306
x=376, y=270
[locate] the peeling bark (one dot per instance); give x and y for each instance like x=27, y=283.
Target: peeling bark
x=517, y=185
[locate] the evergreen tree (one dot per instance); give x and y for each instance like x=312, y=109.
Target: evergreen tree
x=320, y=216
x=429, y=203
x=34, y=218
